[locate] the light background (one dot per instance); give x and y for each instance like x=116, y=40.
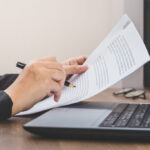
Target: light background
x=30, y=29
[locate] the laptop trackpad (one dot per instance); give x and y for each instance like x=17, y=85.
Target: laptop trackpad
x=69, y=117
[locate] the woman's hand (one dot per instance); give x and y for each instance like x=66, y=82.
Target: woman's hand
x=41, y=78
x=37, y=80
x=75, y=65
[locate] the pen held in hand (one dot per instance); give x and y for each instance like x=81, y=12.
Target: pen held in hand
x=22, y=65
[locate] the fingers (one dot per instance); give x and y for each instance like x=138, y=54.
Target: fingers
x=75, y=69
x=80, y=60
x=47, y=64
x=57, y=96
x=76, y=60
x=53, y=65
x=56, y=90
x=48, y=70
x=57, y=75
x=52, y=73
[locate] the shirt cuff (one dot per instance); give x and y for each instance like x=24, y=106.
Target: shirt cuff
x=5, y=106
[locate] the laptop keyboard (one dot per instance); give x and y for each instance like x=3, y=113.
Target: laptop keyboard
x=129, y=115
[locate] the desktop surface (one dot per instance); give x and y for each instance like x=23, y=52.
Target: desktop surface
x=13, y=136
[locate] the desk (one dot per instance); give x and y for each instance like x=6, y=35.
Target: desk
x=14, y=137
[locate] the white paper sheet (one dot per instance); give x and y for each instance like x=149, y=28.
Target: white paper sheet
x=120, y=54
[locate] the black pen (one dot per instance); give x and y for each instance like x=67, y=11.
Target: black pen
x=22, y=65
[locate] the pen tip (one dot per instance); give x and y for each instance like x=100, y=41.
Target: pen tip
x=72, y=86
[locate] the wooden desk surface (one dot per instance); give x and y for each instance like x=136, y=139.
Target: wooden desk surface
x=14, y=137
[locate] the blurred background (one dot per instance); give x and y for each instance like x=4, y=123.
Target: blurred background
x=31, y=29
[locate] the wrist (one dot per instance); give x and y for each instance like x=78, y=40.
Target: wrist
x=13, y=93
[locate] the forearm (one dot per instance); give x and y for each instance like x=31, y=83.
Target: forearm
x=5, y=106
x=5, y=101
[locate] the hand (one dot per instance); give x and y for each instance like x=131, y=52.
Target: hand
x=75, y=65
x=37, y=80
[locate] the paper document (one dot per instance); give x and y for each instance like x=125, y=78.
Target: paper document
x=120, y=54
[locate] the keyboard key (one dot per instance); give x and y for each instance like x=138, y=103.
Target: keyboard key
x=126, y=115
x=138, y=116
x=129, y=115
x=109, y=121
x=146, y=120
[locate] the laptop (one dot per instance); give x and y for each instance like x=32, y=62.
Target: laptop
x=94, y=120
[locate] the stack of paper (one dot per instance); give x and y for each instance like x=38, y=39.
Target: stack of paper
x=120, y=54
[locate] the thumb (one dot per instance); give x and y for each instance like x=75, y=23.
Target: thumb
x=75, y=69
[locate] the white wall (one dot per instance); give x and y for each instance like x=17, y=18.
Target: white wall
x=134, y=9
x=30, y=29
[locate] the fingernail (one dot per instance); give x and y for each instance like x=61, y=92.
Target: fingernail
x=56, y=99
x=85, y=67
